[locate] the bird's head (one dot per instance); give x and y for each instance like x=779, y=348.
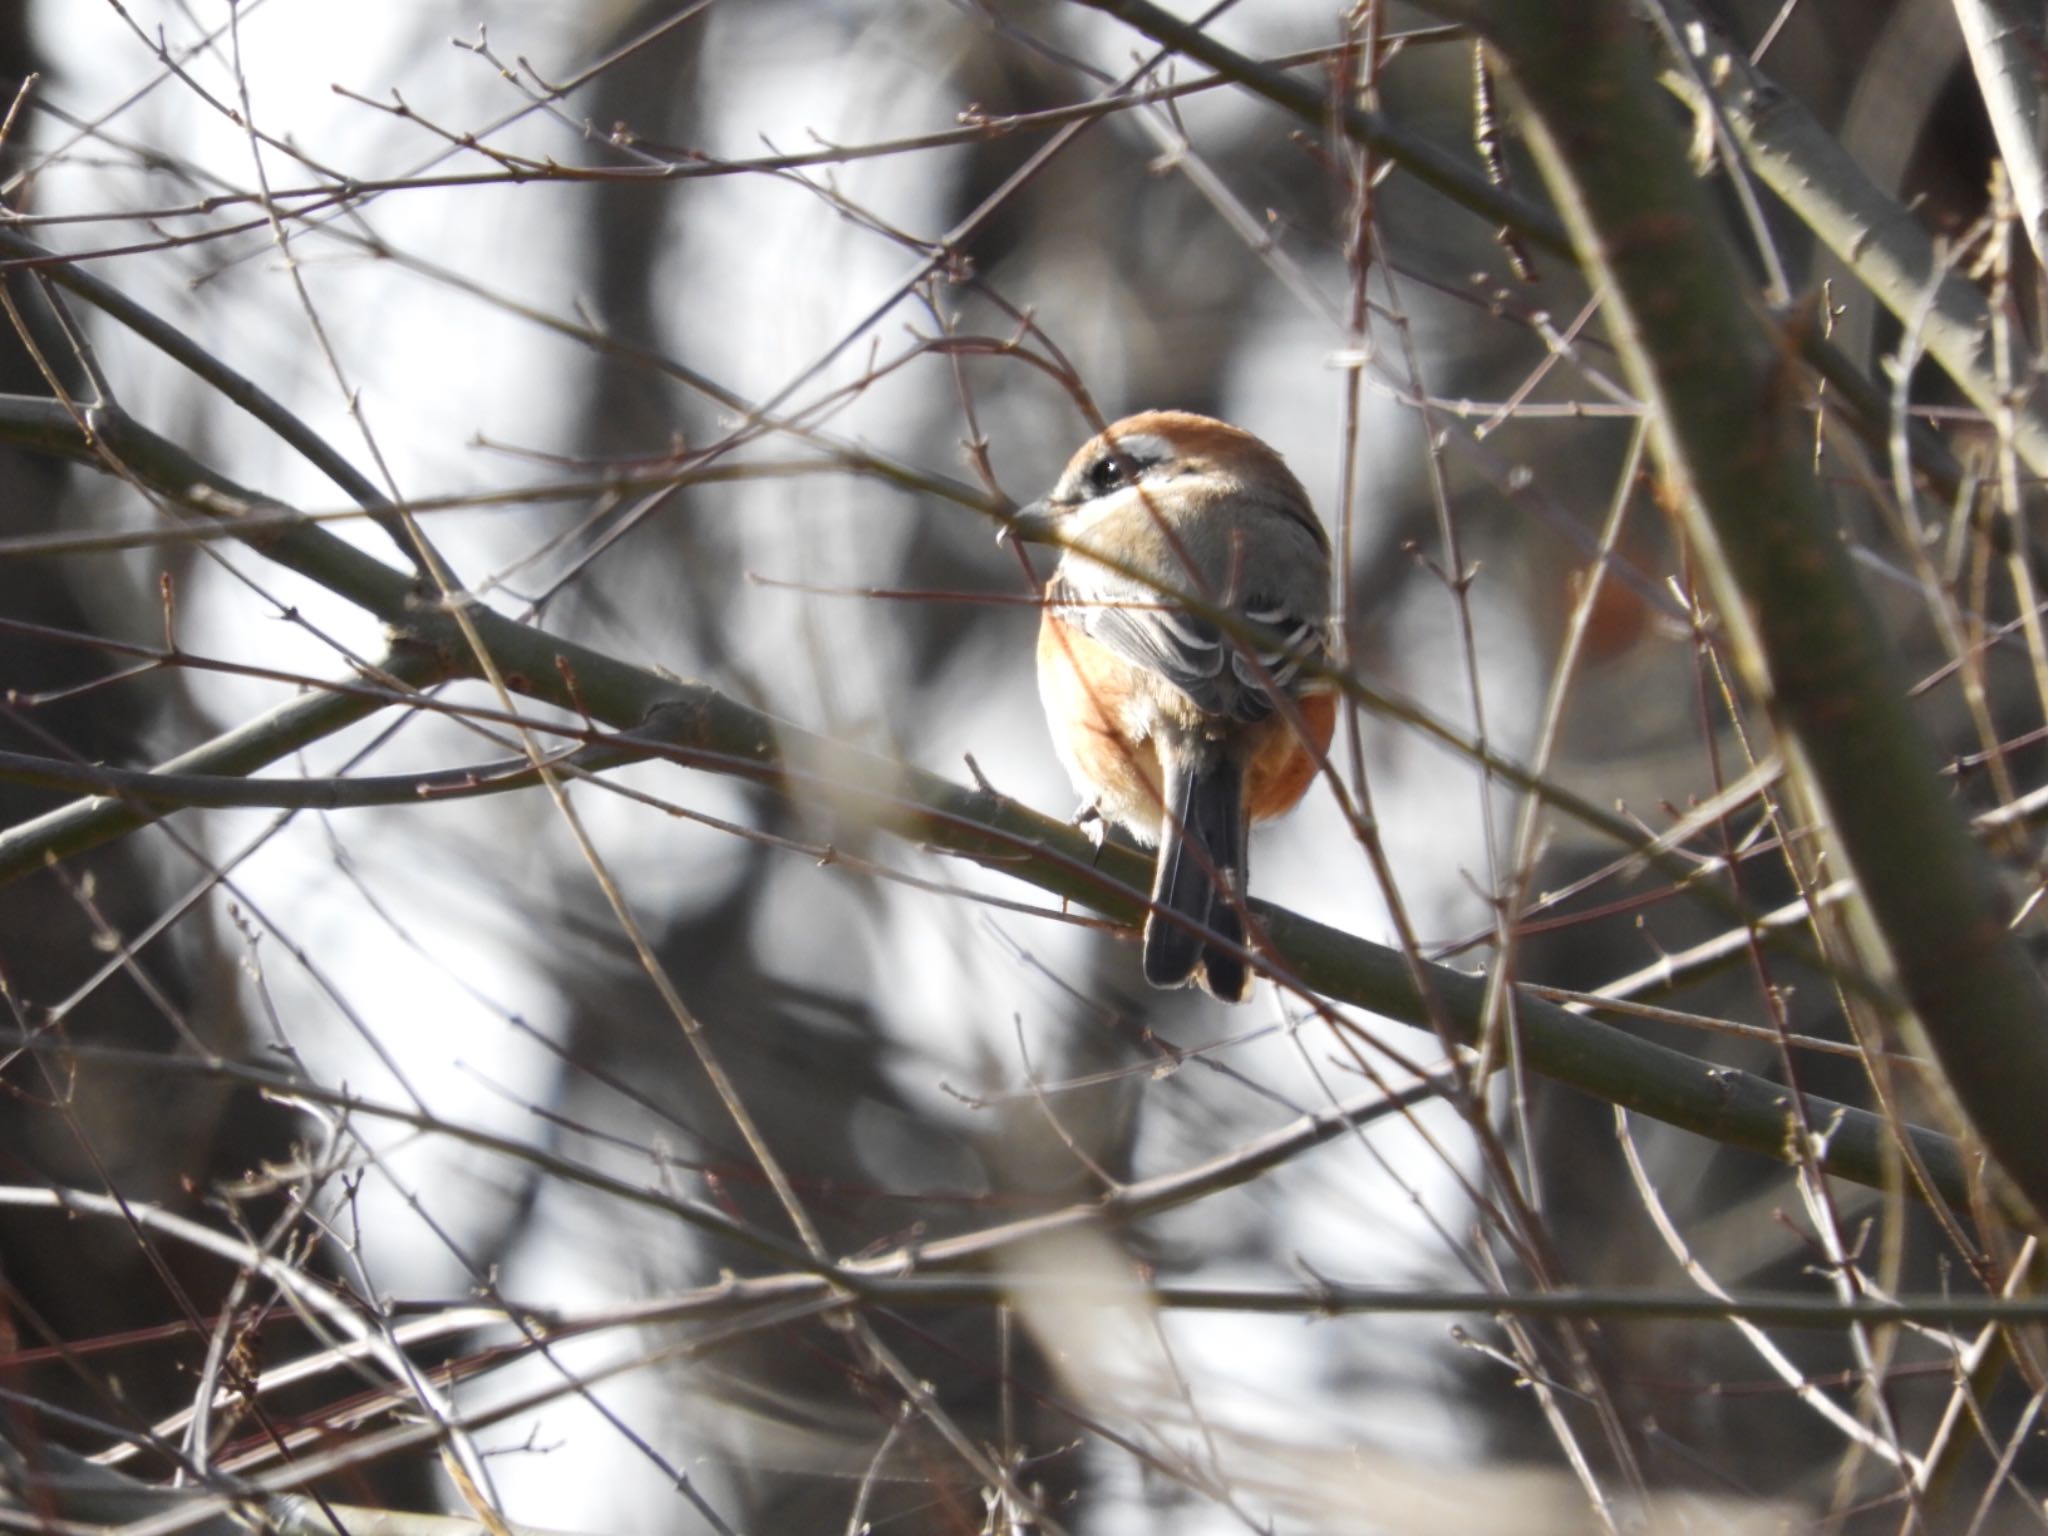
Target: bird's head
x=1169, y=459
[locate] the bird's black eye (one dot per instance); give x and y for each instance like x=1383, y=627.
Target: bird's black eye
x=1111, y=471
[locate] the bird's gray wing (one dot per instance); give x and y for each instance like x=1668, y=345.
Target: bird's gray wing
x=1224, y=675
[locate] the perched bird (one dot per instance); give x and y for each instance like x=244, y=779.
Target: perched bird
x=1168, y=721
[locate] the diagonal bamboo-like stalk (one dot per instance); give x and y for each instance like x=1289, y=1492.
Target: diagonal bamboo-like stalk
x=2005, y=53
x=1879, y=240
x=1724, y=390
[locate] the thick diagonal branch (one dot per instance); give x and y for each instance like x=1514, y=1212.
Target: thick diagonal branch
x=696, y=725
x=1724, y=388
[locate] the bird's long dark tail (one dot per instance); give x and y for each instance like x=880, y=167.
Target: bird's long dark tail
x=1200, y=880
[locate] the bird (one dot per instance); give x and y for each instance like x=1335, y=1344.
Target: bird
x=1190, y=597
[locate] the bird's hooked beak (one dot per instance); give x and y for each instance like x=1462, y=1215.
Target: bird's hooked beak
x=1038, y=523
